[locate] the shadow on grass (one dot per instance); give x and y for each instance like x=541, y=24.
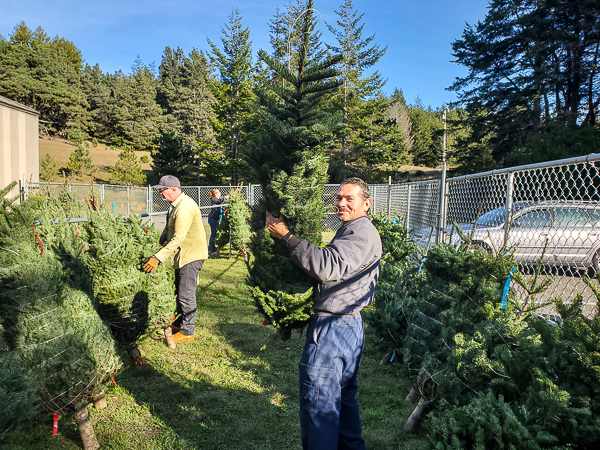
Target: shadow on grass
x=234, y=387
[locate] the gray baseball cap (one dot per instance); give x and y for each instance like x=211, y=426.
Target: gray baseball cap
x=168, y=181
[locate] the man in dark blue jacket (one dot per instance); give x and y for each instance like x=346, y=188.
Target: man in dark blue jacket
x=346, y=270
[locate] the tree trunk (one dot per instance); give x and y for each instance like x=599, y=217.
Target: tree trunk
x=86, y=430
x=100, y=400
x=386, y=358
x=169, y=338
x=416, y=415
x=413, y=395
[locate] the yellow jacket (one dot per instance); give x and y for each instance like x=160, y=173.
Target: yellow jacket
x=184, y=238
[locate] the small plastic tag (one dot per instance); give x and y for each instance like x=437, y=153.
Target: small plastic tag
x=55, y=427
x=504, y=303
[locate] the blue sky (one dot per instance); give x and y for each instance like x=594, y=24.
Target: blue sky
x=112, y=33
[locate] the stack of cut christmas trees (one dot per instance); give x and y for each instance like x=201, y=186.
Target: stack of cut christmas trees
x=490, y=369
x=71, y=295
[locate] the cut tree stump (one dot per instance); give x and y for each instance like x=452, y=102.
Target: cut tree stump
x=416, y=415
x=386, y=358
x=100, y=400
x=86, y=430
x=169, y=338
x=413, y=395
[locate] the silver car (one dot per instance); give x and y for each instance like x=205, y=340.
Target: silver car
x=570, y=228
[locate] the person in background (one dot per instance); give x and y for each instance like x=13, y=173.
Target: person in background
x=346, y=271
x=184, y=242
x=214, y=216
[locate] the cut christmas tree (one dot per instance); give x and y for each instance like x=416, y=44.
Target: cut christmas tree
x=289, y=159
x=234, y=228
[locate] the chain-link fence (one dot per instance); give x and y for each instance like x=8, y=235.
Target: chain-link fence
x=547, y=215
x=551, y=208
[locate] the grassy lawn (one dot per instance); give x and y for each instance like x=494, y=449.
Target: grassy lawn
x=234, y=387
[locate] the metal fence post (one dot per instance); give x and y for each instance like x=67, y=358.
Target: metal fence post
x=408, y=208
x=128, y=208
x=374, y=207
x=509, y=202
x=439, y=235
x=389, y=196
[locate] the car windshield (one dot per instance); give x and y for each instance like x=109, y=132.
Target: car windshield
x=492, y=218
x=495, y=217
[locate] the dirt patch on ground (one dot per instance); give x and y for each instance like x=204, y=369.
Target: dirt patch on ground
x=103, y=157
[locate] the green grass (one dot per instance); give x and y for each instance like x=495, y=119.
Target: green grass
x=234, y=387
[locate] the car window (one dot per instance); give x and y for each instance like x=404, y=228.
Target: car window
x=492, y=218
x=539, y=218
x=595, y=216
x=565, y=217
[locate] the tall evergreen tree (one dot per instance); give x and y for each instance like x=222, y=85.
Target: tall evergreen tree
x=174, y=156
x=528, y=62
x=289, y=159
x=38, y=73
x=128, y=170
x=359, y=54
x=234, y=90
x=398, y=113
x=426, y=132
x=378, y=144
x=98, y=95
x=184, y=94
x=136, y=116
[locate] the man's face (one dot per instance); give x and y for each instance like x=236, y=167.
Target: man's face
x=169, y=194
x=349, y=204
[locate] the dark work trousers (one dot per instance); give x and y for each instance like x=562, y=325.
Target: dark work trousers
x=214, y=225
x=329, y=417
x=186, y=279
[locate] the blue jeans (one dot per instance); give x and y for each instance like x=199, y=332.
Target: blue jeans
x=214, y=224
x=329, y=416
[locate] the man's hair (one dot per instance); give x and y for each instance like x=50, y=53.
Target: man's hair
x=364, y=188
x=213, y=193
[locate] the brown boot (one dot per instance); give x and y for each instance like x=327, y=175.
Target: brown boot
x=182, y=337
x=174, y=330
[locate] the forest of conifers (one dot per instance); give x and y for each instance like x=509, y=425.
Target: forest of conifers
x=531, y=94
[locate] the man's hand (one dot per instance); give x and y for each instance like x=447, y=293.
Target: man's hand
x=149, y=264
x=276, y=226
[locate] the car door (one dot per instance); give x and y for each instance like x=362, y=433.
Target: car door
x=571, y=233
x=528, y=235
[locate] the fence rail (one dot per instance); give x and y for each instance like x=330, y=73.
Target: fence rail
x=553, y=205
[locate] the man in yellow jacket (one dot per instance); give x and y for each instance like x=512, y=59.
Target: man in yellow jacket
x=184, y=242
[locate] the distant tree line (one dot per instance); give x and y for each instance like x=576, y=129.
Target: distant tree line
x=531, y=94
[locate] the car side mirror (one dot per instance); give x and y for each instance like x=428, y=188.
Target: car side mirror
x=516, y=224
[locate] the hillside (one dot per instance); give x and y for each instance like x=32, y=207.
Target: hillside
x=104, y=157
